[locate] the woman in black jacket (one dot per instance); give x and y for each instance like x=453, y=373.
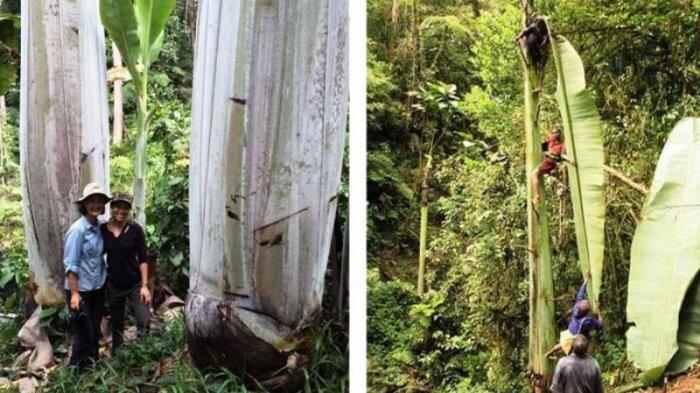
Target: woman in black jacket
x=127, y=269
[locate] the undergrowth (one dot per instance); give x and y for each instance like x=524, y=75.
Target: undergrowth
x=133, y=369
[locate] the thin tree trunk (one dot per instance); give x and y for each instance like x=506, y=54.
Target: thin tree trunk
x=63, y=127
x=343, y=279
x=542, y=335
x=394, y=27
x=141, y=152
x=191, y=18
x=269, y=116
x=423, y=240
x=118, y=126
x=3, y=144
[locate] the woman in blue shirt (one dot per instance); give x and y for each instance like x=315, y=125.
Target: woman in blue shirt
x=83, y=250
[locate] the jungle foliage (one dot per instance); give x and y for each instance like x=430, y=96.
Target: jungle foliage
x=469, y=331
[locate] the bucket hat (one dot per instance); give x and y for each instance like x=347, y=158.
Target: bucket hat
x=92, y=189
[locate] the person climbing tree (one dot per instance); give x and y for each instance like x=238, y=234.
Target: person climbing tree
x=554, y=152
x=535, y=46
x=582, y=321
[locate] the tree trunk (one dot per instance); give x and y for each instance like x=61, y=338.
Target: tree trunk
x=191, y=18
x=423, y=240
x=63, y=127
x=542, y=335
x=118, y=126
x=393, y=38
x=269, y=117
x=3, y=143
x=141, y=152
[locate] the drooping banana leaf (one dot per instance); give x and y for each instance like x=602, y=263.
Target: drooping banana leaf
x=584, y=143
x=688, y=331
x=665, y=258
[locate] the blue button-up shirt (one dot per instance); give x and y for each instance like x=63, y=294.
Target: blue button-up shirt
x=83, y=254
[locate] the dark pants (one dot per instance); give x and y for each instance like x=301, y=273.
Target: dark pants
x=118, y=299
x=86, y=323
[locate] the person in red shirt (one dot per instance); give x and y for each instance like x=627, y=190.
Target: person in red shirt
x=554, y=152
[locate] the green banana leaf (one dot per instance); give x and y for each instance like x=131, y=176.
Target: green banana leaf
x=152, y=16
x=119, y=19
x=688, y=331
x=665, y=258
x=137, y=30
x=584, y=143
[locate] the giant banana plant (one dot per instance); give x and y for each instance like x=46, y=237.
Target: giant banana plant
x=542, y=335
x=136, y=27
x=64, y=135
x=663, y=303
x=269, y=116
x=584, y=143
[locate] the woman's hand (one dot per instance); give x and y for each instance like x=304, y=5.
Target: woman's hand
x=145, y=295
x=75, y=300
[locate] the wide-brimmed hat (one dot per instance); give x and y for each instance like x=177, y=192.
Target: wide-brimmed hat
x=123, y=197
x=92, y=189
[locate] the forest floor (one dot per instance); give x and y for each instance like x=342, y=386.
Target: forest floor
x=159, y=361
x=685, y=383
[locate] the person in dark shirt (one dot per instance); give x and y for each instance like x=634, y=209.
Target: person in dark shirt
x=582, y=321
x=578, y=372
x=554, y=152
x=535, y=46
x=127, y=269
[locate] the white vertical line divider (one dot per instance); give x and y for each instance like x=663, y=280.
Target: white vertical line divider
x=358, y=193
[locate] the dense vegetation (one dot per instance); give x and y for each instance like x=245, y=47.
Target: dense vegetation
x=170, y=92
x=447, y=74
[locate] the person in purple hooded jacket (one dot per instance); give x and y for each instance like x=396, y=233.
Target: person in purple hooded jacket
x=582, y=321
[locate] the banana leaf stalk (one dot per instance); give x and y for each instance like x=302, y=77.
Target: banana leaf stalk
x=269, y=117
x=64, y=134
x=584, y=144
x=542, y=335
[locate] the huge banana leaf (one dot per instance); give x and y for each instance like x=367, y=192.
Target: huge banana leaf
x=665, y=258
x=584, y=143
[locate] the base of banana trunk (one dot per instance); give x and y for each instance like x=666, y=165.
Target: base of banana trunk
x=253, y=346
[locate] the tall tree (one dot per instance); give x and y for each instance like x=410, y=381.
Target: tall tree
x=541, y=329
x=63, y=127
x=269, y=117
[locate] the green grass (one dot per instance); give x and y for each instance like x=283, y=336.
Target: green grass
x=133, y=368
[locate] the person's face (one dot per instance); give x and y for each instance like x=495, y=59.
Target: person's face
x=556, y=134
x=120, y=210
x=583, y=305
x=95, y=205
